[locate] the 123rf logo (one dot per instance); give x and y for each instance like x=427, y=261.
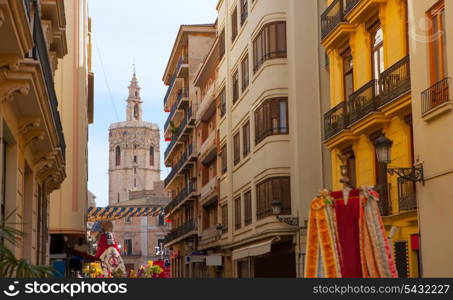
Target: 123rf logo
x=71, y=289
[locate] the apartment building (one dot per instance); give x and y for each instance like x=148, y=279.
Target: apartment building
x=371, y=97
x=269, y=133
x=185, y=181
x=430, y=48
x=33, y=150
x=74, y=86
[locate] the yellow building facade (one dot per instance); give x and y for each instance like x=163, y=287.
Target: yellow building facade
x=370, y=94
x=33, y=151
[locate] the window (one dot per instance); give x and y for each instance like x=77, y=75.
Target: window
x=151, y=156
x=245, y=72
x=118, y=197
x=128, y=247
x=135, y=158
x=224, y=159
x=117, y=155
x=377, y=52
x=222, y=44
x=161, y=220
x=271, y=118
x=237, y=148
x=351, y=166
x=235, y=87
x=248, y=208
x=438, y=43
x=234, y=24
x=348, y=74
x=278, y=189
x=128, y=220
x=225, y=218
x=246, y=138
x=270, y=43
x=136, y=112
x=222, y=103
x=244, y=11
x=237, y=213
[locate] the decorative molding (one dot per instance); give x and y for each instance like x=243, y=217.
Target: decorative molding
x=11, y=88
x=33, y=135
x=11, y=62
x=26, y=125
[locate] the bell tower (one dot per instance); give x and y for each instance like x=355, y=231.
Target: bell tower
x=134, y=102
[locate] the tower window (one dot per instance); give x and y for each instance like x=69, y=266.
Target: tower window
x=135, y=158
x=136, y=112
x=136, y=94
x=151, y=156
x=117, y=156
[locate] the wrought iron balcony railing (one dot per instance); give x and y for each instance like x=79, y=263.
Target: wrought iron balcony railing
x=362, y=102
x=395, y=81
x=40, y=53
x=407, y=199
x=182, y=196
x=436, y=95
x=332, y=16
x=170, y=87
x=180, y=231
x=335, y=120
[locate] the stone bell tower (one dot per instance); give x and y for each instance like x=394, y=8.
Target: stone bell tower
x=134, y=156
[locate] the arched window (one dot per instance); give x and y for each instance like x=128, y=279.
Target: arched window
x=136, y=111
x=117, y=155
x=151, y=156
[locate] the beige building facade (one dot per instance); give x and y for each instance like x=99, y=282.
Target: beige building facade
x=33, y=146
x=74, y=85
x=258, y=131
x=430, y=46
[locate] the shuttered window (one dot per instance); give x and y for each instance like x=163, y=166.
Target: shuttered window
x=269, y=44
x=278, y=189
x=237, y=148
x=271, y=118
x=248, y=208
x=237, y=213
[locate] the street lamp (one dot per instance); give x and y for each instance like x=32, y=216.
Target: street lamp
x=383, y=152
x=383, y=149
x=277, y=210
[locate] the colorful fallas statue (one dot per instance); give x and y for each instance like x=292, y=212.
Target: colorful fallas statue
x=109, y=254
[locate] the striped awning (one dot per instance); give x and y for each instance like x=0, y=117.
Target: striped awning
x=115, y=213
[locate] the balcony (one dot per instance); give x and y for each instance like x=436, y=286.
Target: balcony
x=185, y=158
x=208, y=149
x=182, y=94
x=436, y=96
x=395, y=81
x=40, y=53
x=209, y=190
x=391, y=85
x=181, y=231
x=332, y=17
x=209, y=237
x=182, y=197
x=407, y=200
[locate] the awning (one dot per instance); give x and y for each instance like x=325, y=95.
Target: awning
x=115, y=213
x=256, y=249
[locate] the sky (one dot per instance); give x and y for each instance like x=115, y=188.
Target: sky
x=144, y=30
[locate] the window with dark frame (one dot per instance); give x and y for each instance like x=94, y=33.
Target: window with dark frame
x=128, y=220
x=234, y=24
x=128, y=247
x=117, y=156
x=438, y=42
x=237, y=213
x=237, y=148
x=224, y=159
x=245, y=72
x=235, y=86
x=377, y=52
x=270, y=43
x=248, y=208
x=151, y=156
x=225, y=218
x=222, y=46
x=348, y=74
x=271, y=118
x=244, y=11
x=276, y=188
x=222, y=96
x=246, y=138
